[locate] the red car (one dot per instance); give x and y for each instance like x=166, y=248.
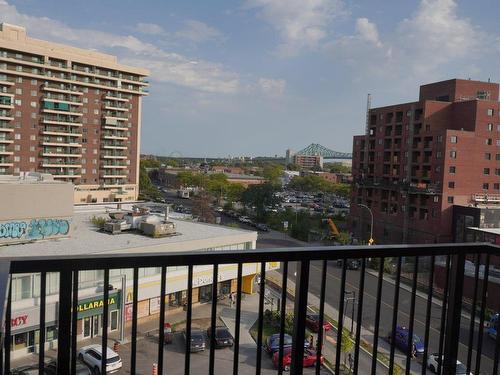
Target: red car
x=312, y=322
x=310, y=358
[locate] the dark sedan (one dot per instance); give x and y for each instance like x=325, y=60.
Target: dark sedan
x=223, y=337
x=197, y=340
x=312, y=322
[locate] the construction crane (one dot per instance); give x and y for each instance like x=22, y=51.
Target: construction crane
x=334, y=232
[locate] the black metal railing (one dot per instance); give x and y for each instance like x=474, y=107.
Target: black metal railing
x=407, y=260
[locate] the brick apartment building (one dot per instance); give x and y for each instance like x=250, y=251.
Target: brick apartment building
x=70, y=112
x=419, y=159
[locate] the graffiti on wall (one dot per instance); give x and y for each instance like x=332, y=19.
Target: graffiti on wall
x=34, y=229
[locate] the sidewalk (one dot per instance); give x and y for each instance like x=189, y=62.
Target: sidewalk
x=383, y=346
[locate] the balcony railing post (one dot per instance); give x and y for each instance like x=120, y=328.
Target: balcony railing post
x=300, y=310
x=452, y=332
x=64, y=317
x=4, y=292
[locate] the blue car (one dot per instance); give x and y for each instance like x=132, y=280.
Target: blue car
x=272, y=344
x=401, y=341
x=493, y=326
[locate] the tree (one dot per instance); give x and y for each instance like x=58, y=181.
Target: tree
x=234, y=192
x=147, y=191
x=337, y=168
x=272, y=173
x=150, y=163
x=260, y=196
x=347, y=344
x=342, y=190
x=201, y=208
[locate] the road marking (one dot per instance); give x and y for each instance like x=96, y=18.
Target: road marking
x=388, y=305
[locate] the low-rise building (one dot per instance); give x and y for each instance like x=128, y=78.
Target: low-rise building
x=46, y=225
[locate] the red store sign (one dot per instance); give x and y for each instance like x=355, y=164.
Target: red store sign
x=21, y=320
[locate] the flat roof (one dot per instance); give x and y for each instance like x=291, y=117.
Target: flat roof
x=486, y=230
x=87, y=239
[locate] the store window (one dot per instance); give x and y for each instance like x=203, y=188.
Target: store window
x=113, y=319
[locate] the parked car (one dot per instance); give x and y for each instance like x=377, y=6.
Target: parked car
x=168, y=335
x=351, y=264
x=197, y=340
x=272, y=343
x=91, y=355
x=434, y=360
x=401, y=341
x=81, y=368
x=223, y=337
x=262, y=227
x=312, y=322
x=310, y=358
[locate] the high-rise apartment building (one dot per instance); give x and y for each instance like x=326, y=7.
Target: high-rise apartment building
x=70, y=112
x=418, y=159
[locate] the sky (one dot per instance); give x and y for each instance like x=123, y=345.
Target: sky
x=256, y=77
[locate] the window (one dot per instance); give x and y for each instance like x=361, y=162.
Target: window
x=34, y=82
x=453, y=169
x=32, y=137
x=32, y=159
x=17, y=136
x=486, y=171
x=96, y=111
x=18, y=114
x=33, y=104
x=17, y=102
x=439, y=155
x=487, y=156
x=496, y=186
x=439, y=138
x=489, y=127
x=17, y=158
x=85, y=100
x=94, y=171
x=453, y=139
x=486, y=186
x=17, y=147
x=450, y=200
x=19, y=79
x=498, y=142
x=33, y=93
x=33, y=115
x=489, y=111
x=32, y=148
x=19, y=91
x=451, y=184
x=497, y=157
x=436, y=199
x=498, y=128
x=497, y=171
x=453, y=154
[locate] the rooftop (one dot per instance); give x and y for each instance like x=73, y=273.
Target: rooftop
x=87, y=239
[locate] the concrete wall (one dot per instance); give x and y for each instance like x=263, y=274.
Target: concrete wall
x=35, y=200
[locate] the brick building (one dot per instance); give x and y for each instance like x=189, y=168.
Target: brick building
x=419, y=159
x=70, y=112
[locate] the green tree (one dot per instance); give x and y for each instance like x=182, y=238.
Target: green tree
x=260, y=196
x=234, y=192
x=272, y=173
x=343, y=190
x=150, y=163
x=346, y=345
x=147, y=191
x=217, y=185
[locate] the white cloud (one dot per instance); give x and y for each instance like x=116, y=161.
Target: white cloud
x=149, y=28
x=301, y=24
x=432, y=43
x=198, y=32
x=272, y=87
x=165, y=66
x=368, y=31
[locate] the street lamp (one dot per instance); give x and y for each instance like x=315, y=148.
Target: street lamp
x=353, y=299
x=370, y=241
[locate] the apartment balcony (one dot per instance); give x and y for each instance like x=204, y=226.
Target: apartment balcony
x=69, y=121
x=113, y=146
x=6, y=102
x=62, y=98
x=62, y=152
x=110, y=135
x=115, y=127
x=6, y=81
x=115, y=107
x=6, y=116
x=4, y=151
x=71, y=112
x=61, y=88
x=4, y=139
x=114, y=165
x=61, y=143
x=115, y=115
x=113, y=155
x=6, y=163
x=107, y=175
x=68, y=163
x=61, y=131
x=421, y=290
x=116, y=97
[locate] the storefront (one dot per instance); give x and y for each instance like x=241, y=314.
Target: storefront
x=90, y=315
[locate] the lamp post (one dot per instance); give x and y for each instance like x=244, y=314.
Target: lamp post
x=353, y=299
x=370, y=241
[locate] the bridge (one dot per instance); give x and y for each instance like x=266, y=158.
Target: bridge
x=316, y=149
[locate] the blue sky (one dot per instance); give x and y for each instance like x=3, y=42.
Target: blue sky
x=255, y=77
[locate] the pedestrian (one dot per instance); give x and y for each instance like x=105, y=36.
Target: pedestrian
x=311, y=341
x=231, y=299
